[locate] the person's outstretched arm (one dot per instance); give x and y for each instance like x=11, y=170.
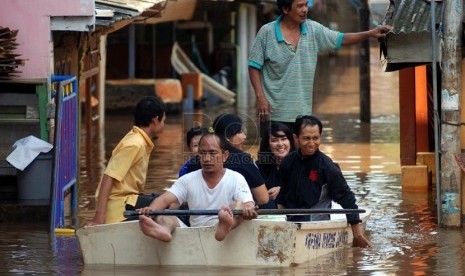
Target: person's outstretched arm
x=354, y=38
x=160, y=203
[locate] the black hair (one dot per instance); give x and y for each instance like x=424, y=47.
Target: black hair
x=195, y=131
x=221, y=140
x=306, y=120
x=227, y=125
x=283, y=4
x=148, y=108
x=266, y=159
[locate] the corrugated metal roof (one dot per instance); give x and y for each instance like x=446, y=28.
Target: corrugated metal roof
x=126, y=9
x=411, y=16
x=135, y=5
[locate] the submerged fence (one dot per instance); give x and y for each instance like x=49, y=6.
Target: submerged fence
x=66, y=148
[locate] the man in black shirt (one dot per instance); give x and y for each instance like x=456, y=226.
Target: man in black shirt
x=310, y=179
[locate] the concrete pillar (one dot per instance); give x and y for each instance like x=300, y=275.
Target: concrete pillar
x=415, y=178
x=428, y=159
x=243, y=57
x=451, y=206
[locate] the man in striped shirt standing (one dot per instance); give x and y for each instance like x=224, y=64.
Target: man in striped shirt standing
x=283, y=60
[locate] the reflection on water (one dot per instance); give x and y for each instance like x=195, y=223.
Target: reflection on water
x=28, y=249
x=406, y=240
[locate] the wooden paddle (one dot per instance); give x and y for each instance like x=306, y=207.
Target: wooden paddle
x=214, y=212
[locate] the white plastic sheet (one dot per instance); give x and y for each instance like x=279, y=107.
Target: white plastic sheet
x=25, y=150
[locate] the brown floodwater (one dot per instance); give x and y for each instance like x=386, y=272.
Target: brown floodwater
x=402, y=228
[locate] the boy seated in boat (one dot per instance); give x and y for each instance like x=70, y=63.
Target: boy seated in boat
x=122, y=184
x=310, y=179
x=212, y=187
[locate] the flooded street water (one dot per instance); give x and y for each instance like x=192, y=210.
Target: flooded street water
x=402, y=228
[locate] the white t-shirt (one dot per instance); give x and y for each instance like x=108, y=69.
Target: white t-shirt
x=193, y=189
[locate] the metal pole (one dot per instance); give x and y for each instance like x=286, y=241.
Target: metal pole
x=364, y=66
x=451, y=196
x=132, y=51
x=242, y=34
x=435, y=110
x=252, y=32
x=251, y=26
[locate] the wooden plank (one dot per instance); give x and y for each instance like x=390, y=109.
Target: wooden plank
x=90, y=73
x=407, y=116
x=421, y=109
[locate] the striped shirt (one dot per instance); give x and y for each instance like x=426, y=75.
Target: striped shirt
x=287, y=74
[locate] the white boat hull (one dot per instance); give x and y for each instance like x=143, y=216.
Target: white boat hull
x=256, y=242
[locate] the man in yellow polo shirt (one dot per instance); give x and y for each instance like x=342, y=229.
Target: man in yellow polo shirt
x=124, y=178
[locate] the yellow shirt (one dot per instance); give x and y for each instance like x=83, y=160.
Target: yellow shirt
x=128, y=165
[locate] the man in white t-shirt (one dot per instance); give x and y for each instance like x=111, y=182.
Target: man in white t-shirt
x=212, y=187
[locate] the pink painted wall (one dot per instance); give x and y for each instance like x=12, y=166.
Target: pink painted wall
x=32, y=20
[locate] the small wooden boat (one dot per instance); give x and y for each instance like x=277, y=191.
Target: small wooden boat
x=257, y=242
x=183, y=65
